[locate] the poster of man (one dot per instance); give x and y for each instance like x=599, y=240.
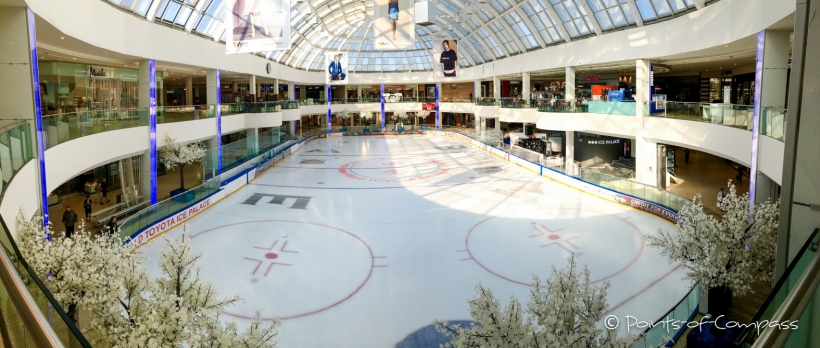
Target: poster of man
x=257, y=26
x=394, y=24
x=445, y=58
x=336, y=68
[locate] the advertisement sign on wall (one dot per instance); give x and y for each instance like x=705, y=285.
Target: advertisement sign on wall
x=445, y=58
x=394, y=22
x=336, y=73
x=257, y=26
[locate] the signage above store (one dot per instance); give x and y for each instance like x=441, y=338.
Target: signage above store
x=99, y=72
x=593, y=78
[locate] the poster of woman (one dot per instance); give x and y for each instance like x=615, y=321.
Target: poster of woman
x=445, y=58
x=395, y=24
x=257, y=25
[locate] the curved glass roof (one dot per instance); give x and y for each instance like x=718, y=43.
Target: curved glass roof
x=487, y=29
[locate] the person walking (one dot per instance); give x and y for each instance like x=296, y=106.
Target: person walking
x=721, y=194
x=111, y=227
x=87, y=206
x=686, y=156
x=98, y=191
x=739, y=176
x=69, y=219
x=104, y=189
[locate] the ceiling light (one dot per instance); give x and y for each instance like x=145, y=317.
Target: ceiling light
x=62, y=38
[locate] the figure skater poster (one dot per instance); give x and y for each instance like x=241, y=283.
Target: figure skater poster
x=257, y=26
x=395, y=24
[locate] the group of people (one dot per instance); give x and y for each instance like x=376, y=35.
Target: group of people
x=99, y=188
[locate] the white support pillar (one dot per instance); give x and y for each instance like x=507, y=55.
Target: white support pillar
x=526, y=86
x=252, y=86
x=189, y=91
x=771, y=80
x=253, y=140
x=236, y=87
x=276, y=87
x=569, y=156
x=646, y=151
x=476, y=89
x=496, y=87
x=292, y=90
x=358, y=92
x=569, y=90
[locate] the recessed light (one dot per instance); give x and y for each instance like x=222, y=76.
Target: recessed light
x=62, y=38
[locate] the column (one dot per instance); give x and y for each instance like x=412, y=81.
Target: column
x=252, y=87
x=646, y=159
x=569, y=156
x=213, y=85
x=771, y=79
x=276, y=88
x=189, y=91
x=569, y=90
x=496, y=88
x=800, y=165
x=148, y=160
x=253, y=141
x=329, y=95
x=21, y=91
x=292, y=90
x=359, y=92
x=476, y=90
x=438, y=102
x=381, y=86
x=526, y=87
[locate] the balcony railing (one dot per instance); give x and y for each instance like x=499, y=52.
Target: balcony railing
x=61, y=128
x=736, y=116
x=773, y=123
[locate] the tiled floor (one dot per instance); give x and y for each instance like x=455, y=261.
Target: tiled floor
x=705, y=174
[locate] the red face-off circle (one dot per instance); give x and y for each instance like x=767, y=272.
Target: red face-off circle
x=387, y=169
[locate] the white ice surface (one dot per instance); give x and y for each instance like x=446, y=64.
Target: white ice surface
x=402, y=233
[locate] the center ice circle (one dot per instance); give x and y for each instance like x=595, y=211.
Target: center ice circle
x=387, y=169
x=516, y=245
x=286, y=269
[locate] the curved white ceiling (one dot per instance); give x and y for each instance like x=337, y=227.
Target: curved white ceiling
x=488, y=29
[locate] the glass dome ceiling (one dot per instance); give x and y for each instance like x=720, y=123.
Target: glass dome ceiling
x=487, y=29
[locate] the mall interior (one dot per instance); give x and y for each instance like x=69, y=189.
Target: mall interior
x=662, y=100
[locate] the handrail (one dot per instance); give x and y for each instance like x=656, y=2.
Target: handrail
x=30, y=311
x=794, y=305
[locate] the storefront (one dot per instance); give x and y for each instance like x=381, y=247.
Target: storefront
x=70, y=87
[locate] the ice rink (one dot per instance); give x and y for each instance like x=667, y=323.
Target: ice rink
x=360, y=241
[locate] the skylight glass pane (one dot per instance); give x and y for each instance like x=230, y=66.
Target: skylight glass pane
x=143, y=6
x=677, y=5
x=645, y=8
x=662, y=7
x=627, y=11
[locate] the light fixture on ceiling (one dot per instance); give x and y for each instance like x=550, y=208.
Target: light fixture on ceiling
x=62, y=38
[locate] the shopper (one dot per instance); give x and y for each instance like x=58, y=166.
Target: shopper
x=686, y=156
x=739, y=176
x=111, y=227
x=87, y=206
x=104, y=189
x=98, y=191
x=720, y=199
x=69, y=220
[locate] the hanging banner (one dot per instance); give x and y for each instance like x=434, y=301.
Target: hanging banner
x=336, y=71
x=395, y=24
x=257, y=26
x=445, y=58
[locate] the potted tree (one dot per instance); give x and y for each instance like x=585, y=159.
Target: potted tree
x=176, y=154
x=344, y=116
x=366, y=118
x=400, y=117
x=724, y=256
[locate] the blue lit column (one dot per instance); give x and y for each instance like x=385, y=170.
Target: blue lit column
x=38, y=113
x=148, y=117
x=213, y=89
x=329, y=96
x=438, y=101
x=381, y=86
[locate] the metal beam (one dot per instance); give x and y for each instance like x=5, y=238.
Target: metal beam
x=592, y=19
x=558, y=23
x=636, y=14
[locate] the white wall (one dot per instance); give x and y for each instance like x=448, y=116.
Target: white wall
x=614, y=125
x=727, y=142
x=291, y=114
x=21, y=192
x=529, y=115
x=770, y=158
x=71, y=158
x=263, y=120
x=187, y=131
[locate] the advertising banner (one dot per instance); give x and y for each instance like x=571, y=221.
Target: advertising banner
x=336, y=73
x=394, y=24
x=445, y=58
x=257, y=26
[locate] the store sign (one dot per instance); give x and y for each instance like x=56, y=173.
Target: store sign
x=604, y=142
x=98, y=71
x=593, y=78
x=169, y=222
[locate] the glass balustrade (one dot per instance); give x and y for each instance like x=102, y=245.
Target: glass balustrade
x=559, y=106
x=171, y=114
x=773, y=123
x=736, y=116
x=61, y=128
